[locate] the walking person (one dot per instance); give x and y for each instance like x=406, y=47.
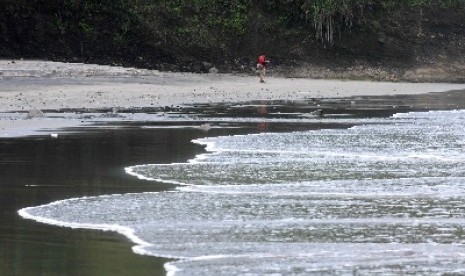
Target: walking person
x=261, y=66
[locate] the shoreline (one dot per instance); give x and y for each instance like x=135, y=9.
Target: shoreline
x=96, y=87
x=31, y=84
x=34, y=85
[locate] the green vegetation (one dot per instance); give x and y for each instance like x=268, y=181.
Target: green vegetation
x=153, y=32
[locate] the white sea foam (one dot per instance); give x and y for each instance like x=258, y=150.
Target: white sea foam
x=126, y=231
x=377, y=199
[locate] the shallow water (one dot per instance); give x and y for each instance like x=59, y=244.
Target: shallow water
x=37, y=170
x=383, y=197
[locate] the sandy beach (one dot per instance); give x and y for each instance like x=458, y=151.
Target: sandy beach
x=42, y=85
x=44, y=98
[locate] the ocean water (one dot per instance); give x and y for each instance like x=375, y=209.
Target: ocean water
x=385, y=197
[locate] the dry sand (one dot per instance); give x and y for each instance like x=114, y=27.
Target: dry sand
x=27, y=85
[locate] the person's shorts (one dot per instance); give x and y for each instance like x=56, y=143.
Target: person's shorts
x=260, y=66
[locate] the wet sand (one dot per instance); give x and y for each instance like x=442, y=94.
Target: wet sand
x=49, y=85
x=89, y=161
x=53, y=86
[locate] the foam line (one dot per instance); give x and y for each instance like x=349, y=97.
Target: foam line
x=123, y=230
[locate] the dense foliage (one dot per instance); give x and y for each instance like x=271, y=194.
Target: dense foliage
x=154, y=32
x=327, y=15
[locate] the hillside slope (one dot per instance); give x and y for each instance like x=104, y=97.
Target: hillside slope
x=413, y=40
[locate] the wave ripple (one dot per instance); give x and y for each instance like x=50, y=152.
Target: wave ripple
x=382, y=198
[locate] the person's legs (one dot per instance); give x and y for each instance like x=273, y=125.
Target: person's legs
x=261, y=72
